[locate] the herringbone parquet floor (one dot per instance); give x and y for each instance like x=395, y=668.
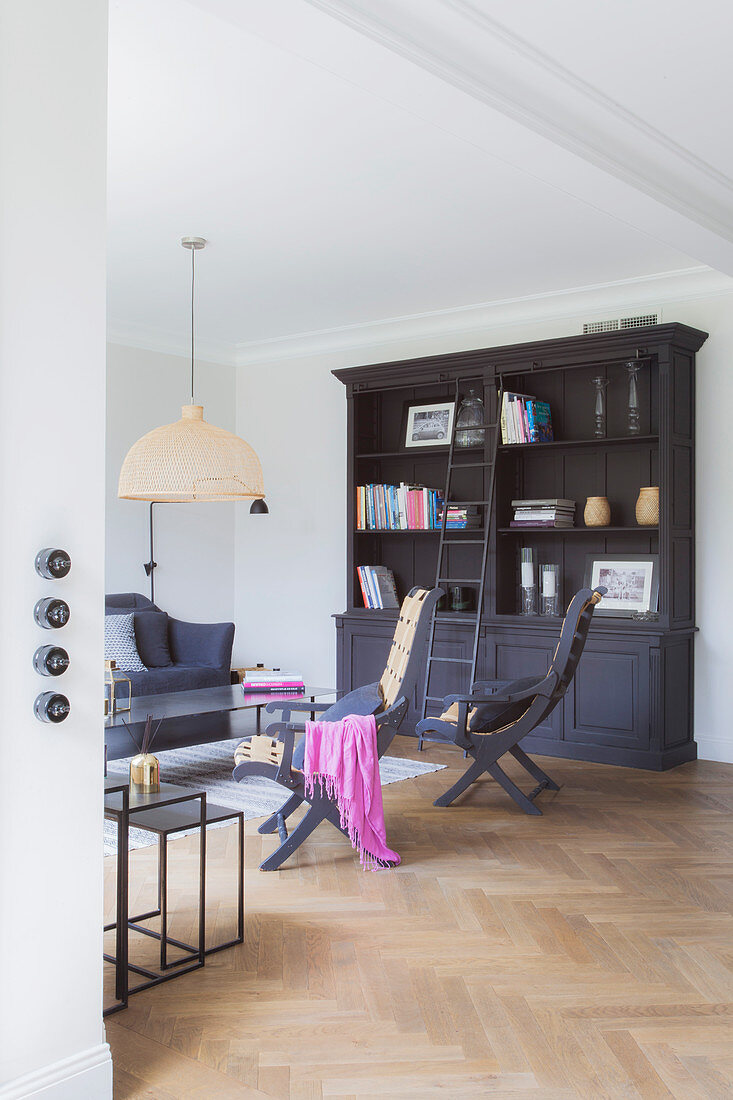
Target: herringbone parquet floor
x=586, y=953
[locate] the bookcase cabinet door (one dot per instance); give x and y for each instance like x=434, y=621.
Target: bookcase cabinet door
x=608, y=700
x=512, y=656
x=362, y=652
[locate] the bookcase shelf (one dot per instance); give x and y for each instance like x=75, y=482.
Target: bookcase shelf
x=521, y=532
x=571, y=444
x=631, y=702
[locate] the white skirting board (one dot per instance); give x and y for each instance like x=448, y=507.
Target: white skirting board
x=715, y=749
x=84, y=1076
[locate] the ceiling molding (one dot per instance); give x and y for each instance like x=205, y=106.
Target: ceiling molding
x=167, y=343
x=599, y=301
x=459, y=43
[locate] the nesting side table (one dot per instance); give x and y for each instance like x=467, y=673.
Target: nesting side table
x=121, y=801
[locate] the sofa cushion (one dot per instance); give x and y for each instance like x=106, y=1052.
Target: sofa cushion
x=156, y=681
x=151, y=633
x=119, y=603
x=119, y=643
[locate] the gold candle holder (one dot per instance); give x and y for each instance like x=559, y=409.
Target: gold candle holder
x=145, y=772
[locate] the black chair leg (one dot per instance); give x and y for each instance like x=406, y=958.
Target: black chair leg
x=321, y=810
x=469, y=776
x=512, y=789
x=534, y=769
x=271, y=826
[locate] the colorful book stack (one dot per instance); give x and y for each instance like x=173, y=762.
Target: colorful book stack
x=272, y=681
x=524, y=419
x=543, y=512
x=397, y=507
x=377, y=587
x=459, y=518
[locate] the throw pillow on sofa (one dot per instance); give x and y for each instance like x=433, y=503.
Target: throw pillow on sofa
x=151, y=633
x=119, y=643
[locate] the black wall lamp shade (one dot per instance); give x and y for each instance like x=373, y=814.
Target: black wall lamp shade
x=259, y=508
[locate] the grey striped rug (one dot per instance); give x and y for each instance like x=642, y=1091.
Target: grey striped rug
x=209, y=768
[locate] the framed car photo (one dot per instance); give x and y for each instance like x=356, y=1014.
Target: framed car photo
x=632, y=581
x=429, y=425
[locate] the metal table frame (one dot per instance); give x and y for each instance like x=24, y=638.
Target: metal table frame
x=163, y=823
x=129, y=800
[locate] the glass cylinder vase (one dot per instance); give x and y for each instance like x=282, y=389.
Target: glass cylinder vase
x=528, y=582
x=549, y=590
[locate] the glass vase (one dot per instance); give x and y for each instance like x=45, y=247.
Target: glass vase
x=469, y=422
x=528, y=582
x=550, y=590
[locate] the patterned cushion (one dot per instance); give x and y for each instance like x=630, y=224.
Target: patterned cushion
x=119, y=643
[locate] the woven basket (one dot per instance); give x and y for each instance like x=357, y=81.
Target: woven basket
x=597, y=512
x=190, y=460
x=647, y=506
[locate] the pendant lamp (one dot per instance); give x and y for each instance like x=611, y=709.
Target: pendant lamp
x=192, y=460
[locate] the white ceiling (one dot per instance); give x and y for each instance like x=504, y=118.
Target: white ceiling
x=355, y=161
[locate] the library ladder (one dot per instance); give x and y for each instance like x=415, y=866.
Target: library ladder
x=448, y=539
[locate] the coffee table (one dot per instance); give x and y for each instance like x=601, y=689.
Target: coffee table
x=194, y=717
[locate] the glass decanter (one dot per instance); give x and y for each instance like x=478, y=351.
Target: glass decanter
x=469, y=430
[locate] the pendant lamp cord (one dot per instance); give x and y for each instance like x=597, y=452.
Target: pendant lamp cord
x=193, y=283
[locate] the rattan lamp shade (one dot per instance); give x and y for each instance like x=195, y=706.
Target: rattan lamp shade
x=190, y=460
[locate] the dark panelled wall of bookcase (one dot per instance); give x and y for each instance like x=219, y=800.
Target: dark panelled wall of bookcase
x=631, y=701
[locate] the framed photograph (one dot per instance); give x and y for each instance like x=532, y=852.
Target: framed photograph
x=429, y=425
x=632, y=581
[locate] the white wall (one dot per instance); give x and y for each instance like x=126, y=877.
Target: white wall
x=291, y=566
x=194, y=543
x=53, y=82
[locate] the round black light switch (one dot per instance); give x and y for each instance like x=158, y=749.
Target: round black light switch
x=52, y=564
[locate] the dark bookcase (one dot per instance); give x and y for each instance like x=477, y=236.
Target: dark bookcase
x=632, y=700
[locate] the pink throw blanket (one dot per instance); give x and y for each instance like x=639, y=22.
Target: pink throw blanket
x=342, y=758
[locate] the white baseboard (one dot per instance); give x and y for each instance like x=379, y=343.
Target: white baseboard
x=715, y=748
x=84, y=1076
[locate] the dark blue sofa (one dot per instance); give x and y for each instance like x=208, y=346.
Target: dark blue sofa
x=179, y=656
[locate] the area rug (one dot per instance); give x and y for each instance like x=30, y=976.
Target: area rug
x=209, y=768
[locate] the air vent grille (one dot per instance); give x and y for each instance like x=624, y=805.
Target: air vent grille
x=644, y=320
x=640, y=320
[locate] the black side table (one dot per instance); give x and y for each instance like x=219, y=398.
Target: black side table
x=120, y=786
x=121, y=800
x=166, y=822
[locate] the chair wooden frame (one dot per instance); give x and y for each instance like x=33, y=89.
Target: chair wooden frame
x=271, y=754
x=493, y=718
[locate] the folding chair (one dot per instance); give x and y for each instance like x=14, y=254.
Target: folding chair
x=275, y=756
x=494, y=717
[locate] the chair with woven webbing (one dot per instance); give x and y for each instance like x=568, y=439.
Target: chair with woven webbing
x=275, y=755
x=493, y=718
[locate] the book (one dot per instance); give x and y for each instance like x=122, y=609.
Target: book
x=377, y=587
x=269, y=674
x=384, y=584
x=543, y=423
x=397, y=507
x=524, y=419
x=250, y=688
x=362, y=583
x=544, y=502
x=542, y=513
x=541, y=523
